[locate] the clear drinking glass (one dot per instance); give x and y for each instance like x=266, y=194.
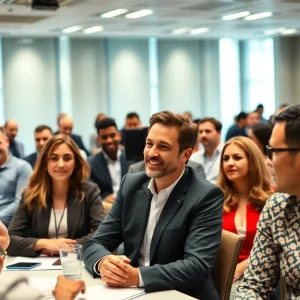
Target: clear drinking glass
x=71, y=261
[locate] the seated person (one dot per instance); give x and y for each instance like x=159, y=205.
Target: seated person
x=94, y=145
x=42, y=134
x=170, y=223
x=14, y=175
x=246, y=184
x=59, y=207
x=110, y=165
x=260, y=134
x=18, y=287
x=276, y=248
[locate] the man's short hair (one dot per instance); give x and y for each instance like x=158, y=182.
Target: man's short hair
x=215, y=122
x=291, y=117
x=41, y=128
x=188, y=130
x=132, y=115
x=259, y=106
x=59, y=117
x=105, y=123
x=241, y=115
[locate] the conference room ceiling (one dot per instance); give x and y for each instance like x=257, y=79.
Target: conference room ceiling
x=17, y=18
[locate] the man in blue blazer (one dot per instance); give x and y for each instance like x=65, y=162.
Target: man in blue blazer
x=42, y=134
x=65, y=126
x=110, y=165
x=170, y=223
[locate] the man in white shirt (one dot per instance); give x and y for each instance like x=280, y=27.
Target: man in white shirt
x=170, y=223
x=210, y=154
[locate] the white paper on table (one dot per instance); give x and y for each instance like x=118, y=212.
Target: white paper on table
x=46, y=263
x=46, y=286
x=104, y=292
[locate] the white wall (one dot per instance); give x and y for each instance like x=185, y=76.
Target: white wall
x=128, y=78
x=88, y=67
x=29, y=71
x=179, y=76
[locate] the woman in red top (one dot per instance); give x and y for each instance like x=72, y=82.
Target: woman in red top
x=246, y=184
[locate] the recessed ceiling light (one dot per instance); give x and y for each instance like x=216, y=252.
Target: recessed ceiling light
x=93, y=29
x=288, y=31
x=139, y=14
x=273, y=31
x=199, y=30
x=181, y=30
x=72, y=29
x=114, y=13
x=258, y=16
x=238, y=15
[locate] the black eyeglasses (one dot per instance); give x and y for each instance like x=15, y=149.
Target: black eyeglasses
x=270, y=150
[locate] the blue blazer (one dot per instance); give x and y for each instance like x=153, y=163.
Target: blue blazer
x=100, y=173
x=31, y=159
x=185, y=240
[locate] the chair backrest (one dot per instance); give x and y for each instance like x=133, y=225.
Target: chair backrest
x=227, y=258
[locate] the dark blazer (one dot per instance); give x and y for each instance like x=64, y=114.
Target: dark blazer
x=77, y=139
x=185, y=240
x=100, y=173
x=140, y=167
x=31, y=159
x=27, y=227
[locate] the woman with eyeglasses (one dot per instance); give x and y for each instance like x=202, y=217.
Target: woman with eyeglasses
x=246, y=184
x=59, y=206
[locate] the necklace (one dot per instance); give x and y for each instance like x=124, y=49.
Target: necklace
x=55, y=222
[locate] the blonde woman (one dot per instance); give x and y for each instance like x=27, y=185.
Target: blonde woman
x=59, y=206
x=246, y=184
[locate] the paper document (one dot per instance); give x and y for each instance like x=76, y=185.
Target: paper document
x=104, y=292
x=46, y=285
x=46, y=262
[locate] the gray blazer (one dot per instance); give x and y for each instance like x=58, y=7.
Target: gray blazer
x=185, y=240
x=140, y=167
x=27, y=227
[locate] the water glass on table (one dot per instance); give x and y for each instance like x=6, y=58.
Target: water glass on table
x=71, y=261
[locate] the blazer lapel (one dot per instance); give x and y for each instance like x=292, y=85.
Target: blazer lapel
x=172, y=205
x=142, y=210
x=73, y=215
x=104, y=172
x=43, y=219
x=124, y=164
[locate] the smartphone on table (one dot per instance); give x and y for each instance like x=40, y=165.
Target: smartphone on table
x=23, y=266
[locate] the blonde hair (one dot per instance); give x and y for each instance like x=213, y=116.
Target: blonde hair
x=39, y=186
x=259, y=178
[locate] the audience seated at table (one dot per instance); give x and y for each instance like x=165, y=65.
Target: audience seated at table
x=59, y=206
x=246, y=184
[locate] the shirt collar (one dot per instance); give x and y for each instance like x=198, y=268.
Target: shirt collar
x=109, y=160
x=169, y=189
x=217, y=151
x=8, y=163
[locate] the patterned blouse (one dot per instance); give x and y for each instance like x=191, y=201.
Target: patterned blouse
x=276, y=250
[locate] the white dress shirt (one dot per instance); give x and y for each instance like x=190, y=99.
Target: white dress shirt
x=211, y=165
x=157, y=204
x=114, y=168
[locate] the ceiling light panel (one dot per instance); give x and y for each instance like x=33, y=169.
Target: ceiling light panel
x=235, y=16
x=199, y=30
x=139, y=14
x=258, y=16
x=114, y=13
x=93, y=29
x=72, y=29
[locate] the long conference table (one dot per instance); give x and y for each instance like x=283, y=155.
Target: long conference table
x=90, y=282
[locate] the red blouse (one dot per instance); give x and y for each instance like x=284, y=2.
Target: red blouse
x=252, y=217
